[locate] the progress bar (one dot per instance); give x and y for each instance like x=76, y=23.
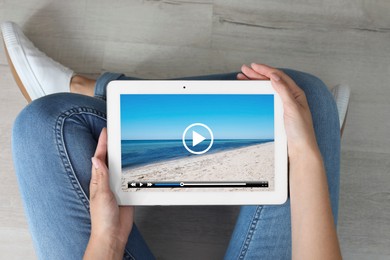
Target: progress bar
x=259, y=184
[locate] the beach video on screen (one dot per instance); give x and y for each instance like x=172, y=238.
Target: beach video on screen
x=196, y=138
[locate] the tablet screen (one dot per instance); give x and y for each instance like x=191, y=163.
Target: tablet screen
x=197, y=142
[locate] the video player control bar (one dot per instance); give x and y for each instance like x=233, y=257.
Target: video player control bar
x=259, y=184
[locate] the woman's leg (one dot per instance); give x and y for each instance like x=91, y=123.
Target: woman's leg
x=264, y=232
x=53, y=141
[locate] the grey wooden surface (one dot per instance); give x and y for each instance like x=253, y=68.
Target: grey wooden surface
x=344, y=41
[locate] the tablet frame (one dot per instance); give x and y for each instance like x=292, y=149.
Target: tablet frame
x=116, y=88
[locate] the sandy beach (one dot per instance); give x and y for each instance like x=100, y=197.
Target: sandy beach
x=253, y=163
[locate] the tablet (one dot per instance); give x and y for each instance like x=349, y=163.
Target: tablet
x=196, y=143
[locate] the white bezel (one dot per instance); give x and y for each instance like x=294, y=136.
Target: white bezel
x=116, y=88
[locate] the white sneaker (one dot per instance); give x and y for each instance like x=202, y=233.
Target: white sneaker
x=35, y=73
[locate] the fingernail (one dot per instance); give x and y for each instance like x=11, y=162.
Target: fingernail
x=275, y=76
x=95, y=162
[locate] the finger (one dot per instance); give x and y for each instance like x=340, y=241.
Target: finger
x=268, y=70
x=297, y=93
x=101, y=148
x=250, y=73
x=263, y=69
x=263, y=75
x=280, y=86
x=102, y=176
x=93, y=185
x=241, y=76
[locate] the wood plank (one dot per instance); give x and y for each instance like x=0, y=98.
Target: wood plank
x=157, y=22
x=339, y=41
x=364, y=215
x=15, y=239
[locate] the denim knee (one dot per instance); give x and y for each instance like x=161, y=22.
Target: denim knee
x=310, y=84
x=36, y=123
x=35, y=119
x=320, y=99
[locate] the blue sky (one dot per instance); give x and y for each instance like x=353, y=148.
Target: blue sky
x=148, y=116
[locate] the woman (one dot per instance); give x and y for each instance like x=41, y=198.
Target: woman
x=72, y=212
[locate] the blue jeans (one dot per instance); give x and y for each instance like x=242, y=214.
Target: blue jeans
x=55, y=136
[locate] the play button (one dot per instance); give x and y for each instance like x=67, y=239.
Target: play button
x=197, y=138
x=201, y=136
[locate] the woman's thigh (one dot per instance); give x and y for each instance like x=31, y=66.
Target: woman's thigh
x=54, y=139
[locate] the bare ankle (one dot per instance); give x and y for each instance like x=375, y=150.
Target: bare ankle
x=82, y=85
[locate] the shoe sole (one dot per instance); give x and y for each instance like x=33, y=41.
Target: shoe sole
x=341, y=94
x=16, y=76
x=343, y=125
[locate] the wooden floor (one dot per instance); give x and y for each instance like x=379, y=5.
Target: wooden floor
x=341, y=41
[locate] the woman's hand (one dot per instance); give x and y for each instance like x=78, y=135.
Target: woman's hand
x=111, y=224
x=312, y=227
x=297, y=116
